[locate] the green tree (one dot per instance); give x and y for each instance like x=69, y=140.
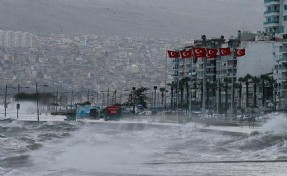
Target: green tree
x=209, y=90
x=226, y=82
x=240, y=80
x=162, y=90
x=137, y=97
x=265, y=80
x=172, y=87
x=255, y=81
x=247, y=81
x=181, y=86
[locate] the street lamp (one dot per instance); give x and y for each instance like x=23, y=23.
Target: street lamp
x=155, y=87
x=133, y=98
x=43, y=85
x=18, y=104
x=97, y=99
x=115, y=97
x=5, y=99
x=88, y=96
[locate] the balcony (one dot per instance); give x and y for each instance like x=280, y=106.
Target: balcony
x=267, y=1
x=283, y=78
x=283, y=59
x=282, y=70
x=283, y=50
x=271, y=13
x=271, y=23
x=270, y=2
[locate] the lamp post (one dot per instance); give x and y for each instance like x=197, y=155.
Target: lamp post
x=115, y=96
x=155, y=87
x=44, y=85
x=57, y=93
x=133, y=98
x=18, y=104
x=108, y=96
x=88, y=96
x=97, y=97
x=103, y=97
x=5, y=98
x=203, y=37
x=72, y=98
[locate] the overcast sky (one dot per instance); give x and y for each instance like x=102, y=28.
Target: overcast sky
x=152, y=18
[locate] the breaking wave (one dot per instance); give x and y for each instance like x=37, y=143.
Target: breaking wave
x=71, y=148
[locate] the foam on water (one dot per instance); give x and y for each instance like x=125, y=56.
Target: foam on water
x=278, y=122
x=124, y=148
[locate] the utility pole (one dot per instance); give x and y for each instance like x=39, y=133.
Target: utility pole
x=115, y=96
x=88, y=95
x=37, y=93
x=218, y=104
x=18, y=103
x=5, y=98
x=203, y=37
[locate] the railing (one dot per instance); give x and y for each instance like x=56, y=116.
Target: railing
x=283, y=50
x=283, y=59
x=267, y=1
x=271, y=22
x=271, y=11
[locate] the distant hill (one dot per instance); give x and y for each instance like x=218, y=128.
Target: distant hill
x=152, y=18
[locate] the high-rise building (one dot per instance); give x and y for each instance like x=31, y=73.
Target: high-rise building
x=280, y=71
x=2, y=38
x=213, y=71
x=276, y=16
x=276, y=24
x=11, y=39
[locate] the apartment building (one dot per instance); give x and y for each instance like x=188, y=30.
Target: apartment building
x=276, y=16
x=276, y=24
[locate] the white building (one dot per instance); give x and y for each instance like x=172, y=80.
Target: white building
x=276, y=23
x=280, y=71
x=11, y=39
x=276, y=16
x=257, y=61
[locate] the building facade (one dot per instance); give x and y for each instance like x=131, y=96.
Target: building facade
x=215, y=71
x=276, y=16
x=276, y=24
x=11, y=39
x=280, y=72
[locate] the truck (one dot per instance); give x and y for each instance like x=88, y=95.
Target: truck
x=112, y=113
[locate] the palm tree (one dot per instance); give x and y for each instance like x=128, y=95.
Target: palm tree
x=246, y=80
x=221, y=85
x=268, y=93
x=186, y=81
x=226, y=81
x=181, y=85
x=239, y=87
x=195, y=92
x=172, y=86
x=255, y=81
x=209, y=86
x=273, y=91
x=264, y=79
x=162, y=90
x=240, y=80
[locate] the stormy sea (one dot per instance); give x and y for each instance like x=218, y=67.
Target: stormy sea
x=73, y=148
